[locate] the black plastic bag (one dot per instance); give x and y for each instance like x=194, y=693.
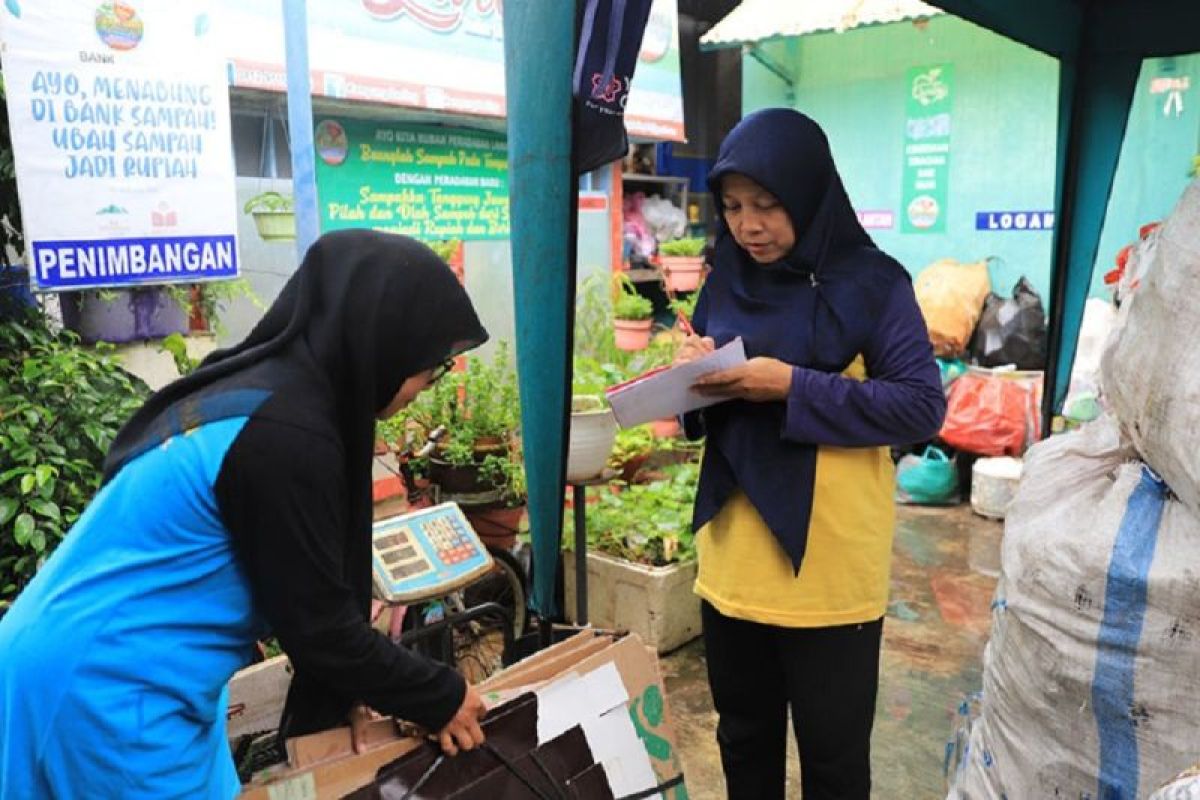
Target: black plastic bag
x=1011, y=331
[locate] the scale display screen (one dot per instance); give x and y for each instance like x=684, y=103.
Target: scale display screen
x=425, y=554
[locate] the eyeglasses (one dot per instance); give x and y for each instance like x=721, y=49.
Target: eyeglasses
x=441, y=369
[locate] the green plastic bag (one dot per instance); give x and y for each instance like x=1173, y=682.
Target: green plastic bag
x=951, y=369
x=929, y=479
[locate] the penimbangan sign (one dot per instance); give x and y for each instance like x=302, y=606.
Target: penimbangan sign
x=119, y=113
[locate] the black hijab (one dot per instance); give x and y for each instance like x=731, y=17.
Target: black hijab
x=364, y=311
x=816, y=308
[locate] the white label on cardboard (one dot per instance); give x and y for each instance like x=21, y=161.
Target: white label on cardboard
x=301, y=787
x=568, y=702
x=615, y=745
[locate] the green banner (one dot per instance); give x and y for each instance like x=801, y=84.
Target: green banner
x=424, y=181
x=927, y=149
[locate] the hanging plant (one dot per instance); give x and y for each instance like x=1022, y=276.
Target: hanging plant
x=274, y=216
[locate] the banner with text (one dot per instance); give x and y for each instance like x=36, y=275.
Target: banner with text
x=119, y=114
x=439, y=55
x=423, y=181
x=927, y=149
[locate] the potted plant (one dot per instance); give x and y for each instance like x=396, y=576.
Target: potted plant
x=205, y=302
x=123, y=315
x=499, y=522
x=477, y=462
x=274, y=216
x=641, y=560
x=682, y=263
x=593, y=427
x=632, y=316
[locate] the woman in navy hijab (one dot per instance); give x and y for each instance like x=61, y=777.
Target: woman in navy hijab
x=794, y=511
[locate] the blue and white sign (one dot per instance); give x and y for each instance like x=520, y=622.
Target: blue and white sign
x=119, y=111
x=1014, y=220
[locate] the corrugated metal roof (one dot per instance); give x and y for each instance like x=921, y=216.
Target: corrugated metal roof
x=756, y=20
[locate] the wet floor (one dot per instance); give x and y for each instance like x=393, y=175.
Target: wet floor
x=944, y=568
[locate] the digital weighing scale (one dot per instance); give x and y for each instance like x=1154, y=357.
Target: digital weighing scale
x=426, y=553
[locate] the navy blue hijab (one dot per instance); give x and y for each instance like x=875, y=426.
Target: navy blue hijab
x=816, y=308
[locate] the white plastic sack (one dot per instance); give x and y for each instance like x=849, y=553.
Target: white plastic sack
x=1184, y=787
x=1099, y=318
x=1151, y=369
x=1091, y=684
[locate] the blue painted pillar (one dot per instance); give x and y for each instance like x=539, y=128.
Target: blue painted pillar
x=1096, y=91
x=539, y=52
x=300, y=124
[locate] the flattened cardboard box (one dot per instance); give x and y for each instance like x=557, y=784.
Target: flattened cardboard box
x=338, y=772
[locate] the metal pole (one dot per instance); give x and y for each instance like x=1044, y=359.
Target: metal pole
x=300, y=124
x=579, y=504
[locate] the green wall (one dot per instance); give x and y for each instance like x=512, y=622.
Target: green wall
x=1155, y=159
x=1005, y=99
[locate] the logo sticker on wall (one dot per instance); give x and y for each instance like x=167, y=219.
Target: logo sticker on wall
x=1173, y=88
x=923, y=212
x=119, y=26
x=1014, y=220
x=332, y=144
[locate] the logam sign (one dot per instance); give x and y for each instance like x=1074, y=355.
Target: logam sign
x=419, y=180
x=119, y=113
x=1014, y=220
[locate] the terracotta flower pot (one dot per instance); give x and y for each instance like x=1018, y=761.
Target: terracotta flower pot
x=682, y=273
x=632, y=334
x=496, y=524
x=665, y=428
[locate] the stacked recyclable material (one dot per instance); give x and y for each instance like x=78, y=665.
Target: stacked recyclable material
x=1091, y=684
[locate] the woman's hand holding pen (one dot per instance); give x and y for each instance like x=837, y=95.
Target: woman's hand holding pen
x=759, y=380
x=694, y=347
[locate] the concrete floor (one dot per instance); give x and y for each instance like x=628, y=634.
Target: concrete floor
x=944, y=568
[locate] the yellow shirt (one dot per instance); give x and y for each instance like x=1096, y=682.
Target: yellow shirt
x=745, y=574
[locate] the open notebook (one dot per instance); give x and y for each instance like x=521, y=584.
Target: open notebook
x=667, y=392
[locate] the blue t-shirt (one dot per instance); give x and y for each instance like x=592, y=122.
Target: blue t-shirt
x=115, y=658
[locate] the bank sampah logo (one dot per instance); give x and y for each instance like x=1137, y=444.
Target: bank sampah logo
x=928, y=88
x=118, y=25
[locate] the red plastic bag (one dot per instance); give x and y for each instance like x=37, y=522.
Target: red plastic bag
x=993, y=414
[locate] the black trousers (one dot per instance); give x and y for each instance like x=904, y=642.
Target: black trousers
x=829, y=678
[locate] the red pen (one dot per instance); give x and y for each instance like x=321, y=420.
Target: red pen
x=684, y=324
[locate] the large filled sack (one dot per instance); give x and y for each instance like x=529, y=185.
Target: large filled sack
x=951, y=296
x=1091, y=684
x=1012, y=331
x=1150, y=372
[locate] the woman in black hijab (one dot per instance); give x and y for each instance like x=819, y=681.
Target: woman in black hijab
x=237, y=502
x=794, y=511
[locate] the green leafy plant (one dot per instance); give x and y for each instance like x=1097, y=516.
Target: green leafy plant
x=212, y=299
x=685, y=305
x=646, y=523
x=176, y=345
x=480, y=409
x=687, y=248
x=60, y=407
x=629, y=305
x=632, y=443
x=269, y=203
